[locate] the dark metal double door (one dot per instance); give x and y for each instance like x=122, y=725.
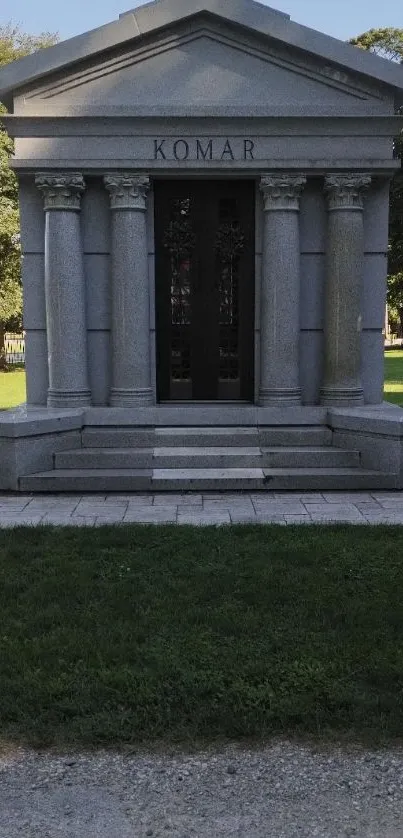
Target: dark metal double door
x=205, y=255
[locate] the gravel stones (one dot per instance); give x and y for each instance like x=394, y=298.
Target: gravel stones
x=285, y=790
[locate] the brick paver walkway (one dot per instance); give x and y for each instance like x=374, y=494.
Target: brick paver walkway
x=203, y=510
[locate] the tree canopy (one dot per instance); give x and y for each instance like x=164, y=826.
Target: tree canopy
x=14, y=44
x=388, y=43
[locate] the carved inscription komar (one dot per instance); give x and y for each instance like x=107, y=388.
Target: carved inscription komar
x=203, y=149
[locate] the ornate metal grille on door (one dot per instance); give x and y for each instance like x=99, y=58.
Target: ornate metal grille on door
x=179, y=241
x=230, y=242
x=204, y=290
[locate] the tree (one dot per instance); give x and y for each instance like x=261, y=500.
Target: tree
x=13, y=44
x=388, y=43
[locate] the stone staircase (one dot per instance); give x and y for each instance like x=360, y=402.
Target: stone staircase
x=171, y=459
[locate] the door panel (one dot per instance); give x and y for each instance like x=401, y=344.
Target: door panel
x=205, y=253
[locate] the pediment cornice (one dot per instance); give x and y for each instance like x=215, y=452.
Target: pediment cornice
x=140, y=23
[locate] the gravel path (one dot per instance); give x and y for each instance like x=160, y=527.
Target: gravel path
x=283, y=791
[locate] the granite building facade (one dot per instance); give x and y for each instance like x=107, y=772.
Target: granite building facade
x=204, y=207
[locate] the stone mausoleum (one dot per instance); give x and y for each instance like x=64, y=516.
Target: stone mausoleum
x=204, y=206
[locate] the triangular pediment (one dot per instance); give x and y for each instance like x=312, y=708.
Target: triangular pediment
x=350, y=72
x=201, y=67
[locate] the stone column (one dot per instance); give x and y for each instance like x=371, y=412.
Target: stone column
x=280, y=299
x=344, y=268
x=131, y=362
x=65, y=290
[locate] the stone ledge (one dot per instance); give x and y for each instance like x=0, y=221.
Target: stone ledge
x=199, y=415
x=380, y=420
x=300, y=164
x=25, y=421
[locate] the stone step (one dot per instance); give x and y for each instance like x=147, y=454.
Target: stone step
x=315, y=435
x=181, y=480
x=124, y=458
x=88, y=480
x=206, y=437
x=281, y=457
x=105, y=458
x=204, y=458
x=209, y=437
x=99, y=437
x=310, y=457
x=311, y=435
x=269, y=480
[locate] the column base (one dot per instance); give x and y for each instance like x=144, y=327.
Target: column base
x=69, y=398
x=279, y=396
x=342, y=396
x=131, y=398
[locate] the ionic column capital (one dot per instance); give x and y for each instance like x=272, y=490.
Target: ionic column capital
x=346, y=192
x=61, y=191
x=127, y=191
x=281, y=191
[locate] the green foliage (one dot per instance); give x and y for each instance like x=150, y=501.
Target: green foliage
x=10, y=251
x=388, y=43
x=396, y=221
x=8, y=180
x=395, y=290
x=14, y=44
x=10, y=256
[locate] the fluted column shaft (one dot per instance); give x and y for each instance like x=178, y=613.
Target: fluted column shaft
x=344, y=268
x=65, y=290
x=280, y=295
x=131, y=361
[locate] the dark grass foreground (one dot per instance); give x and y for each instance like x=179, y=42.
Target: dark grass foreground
x=147, y=634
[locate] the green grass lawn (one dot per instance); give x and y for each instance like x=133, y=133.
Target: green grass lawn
x=12, y=388
x=12, y=384
x=394, y=376
x=157, y=635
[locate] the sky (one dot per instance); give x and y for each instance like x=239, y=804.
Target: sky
x=340, y=18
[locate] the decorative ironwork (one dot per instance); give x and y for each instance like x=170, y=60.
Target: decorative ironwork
x=180, y=241
x=179, y=237
x=230, y=243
